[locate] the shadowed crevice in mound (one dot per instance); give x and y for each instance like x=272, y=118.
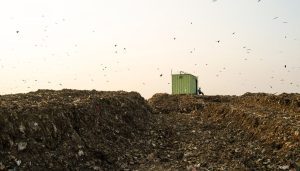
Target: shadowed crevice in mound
x=70, y=129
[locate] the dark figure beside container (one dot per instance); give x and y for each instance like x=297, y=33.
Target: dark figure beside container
x=200, y=92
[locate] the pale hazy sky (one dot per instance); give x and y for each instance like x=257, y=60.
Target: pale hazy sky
x=71, y=44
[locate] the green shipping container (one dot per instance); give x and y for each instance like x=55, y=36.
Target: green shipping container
x=184, y=83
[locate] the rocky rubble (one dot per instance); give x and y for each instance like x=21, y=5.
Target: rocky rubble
x=91, y=130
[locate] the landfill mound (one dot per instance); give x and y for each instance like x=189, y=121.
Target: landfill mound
x=70, y=129
x=255, y=131
x=92, y=130
x=283, y=101
x=165, y=103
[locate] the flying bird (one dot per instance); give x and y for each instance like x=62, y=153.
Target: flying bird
x=275, y=18
x=284, y=66
x=160, y=75
x=218, y=41
x=17, y=31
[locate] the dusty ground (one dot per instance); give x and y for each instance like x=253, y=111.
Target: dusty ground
x=90, y=130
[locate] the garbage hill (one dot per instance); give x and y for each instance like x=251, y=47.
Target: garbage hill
x=255, y=131
x=71, y=129
x=94, y=130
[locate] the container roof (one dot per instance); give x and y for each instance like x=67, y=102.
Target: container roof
x=184, y=73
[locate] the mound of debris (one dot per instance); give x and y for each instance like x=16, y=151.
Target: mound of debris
x=165, y=103
x=72, y=129
x=283, y=101
x=91, y=130
x=255, y=131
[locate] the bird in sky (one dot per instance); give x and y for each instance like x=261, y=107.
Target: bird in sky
x=275, y=18
x=17, y=31
x=160, y=75
x=218, y=41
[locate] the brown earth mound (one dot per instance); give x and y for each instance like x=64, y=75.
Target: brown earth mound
x=90, y=130
x=283, y=101
x=70, y=129
x=249, y=132
x=165, y=103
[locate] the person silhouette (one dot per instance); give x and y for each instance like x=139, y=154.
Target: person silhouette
x=200, y=92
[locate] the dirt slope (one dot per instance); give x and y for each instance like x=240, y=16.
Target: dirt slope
x=70, y=129
x=90, y=130
x=250, y=132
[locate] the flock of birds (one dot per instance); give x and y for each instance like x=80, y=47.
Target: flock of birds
x=116, y=50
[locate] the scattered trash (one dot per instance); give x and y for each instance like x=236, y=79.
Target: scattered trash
x=22, y=146
x=92, y=130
